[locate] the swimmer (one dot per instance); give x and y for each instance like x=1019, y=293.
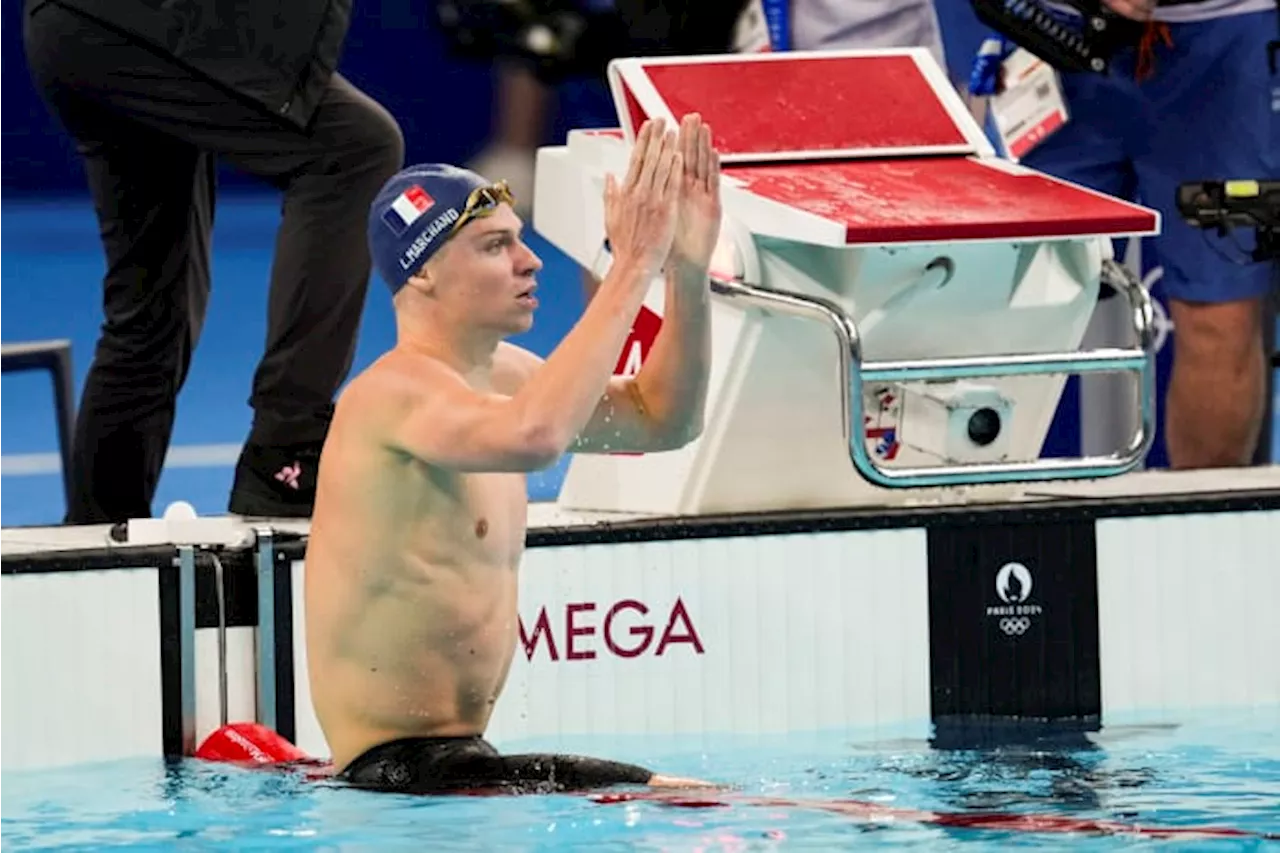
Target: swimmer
x=421, y=504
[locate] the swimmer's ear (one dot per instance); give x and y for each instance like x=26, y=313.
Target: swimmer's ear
x=424, y=279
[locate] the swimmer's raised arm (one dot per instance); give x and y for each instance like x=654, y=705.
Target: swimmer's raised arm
x=450, y=425
x=668, y=394
x=661, y=407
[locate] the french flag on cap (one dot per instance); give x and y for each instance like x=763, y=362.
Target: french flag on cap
x=406, y=209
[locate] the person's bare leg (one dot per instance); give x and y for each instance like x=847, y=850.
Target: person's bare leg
x=1213, y=412
x=522, y=107
x=660, y=781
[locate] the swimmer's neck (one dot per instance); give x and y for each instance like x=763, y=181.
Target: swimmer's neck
x=468, y=351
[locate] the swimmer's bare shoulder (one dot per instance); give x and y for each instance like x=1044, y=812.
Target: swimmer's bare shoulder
x=386, y=392
x=416, y=405
x=411, y=403
x=373, y=481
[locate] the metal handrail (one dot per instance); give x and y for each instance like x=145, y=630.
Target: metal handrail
x=55, y=357
x=1139, y=360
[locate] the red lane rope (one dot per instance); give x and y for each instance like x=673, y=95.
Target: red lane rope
x=254, y=745
x=1004, y=821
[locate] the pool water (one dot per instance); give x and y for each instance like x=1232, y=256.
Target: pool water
x=1220, y=770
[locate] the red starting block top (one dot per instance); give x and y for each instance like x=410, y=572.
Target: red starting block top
x=781, y=106
x=938, y=199
x=877, y=143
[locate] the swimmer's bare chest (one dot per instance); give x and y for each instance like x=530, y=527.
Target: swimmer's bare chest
x=423, y=616
x=457, y=567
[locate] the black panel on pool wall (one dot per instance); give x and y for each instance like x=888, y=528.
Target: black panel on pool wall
x=1013, y=623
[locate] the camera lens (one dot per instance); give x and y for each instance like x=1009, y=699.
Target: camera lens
x=984, y=427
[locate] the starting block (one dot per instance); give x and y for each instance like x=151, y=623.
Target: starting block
x=896, y=308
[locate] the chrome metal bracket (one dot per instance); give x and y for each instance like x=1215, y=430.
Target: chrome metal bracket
x=1139, y=361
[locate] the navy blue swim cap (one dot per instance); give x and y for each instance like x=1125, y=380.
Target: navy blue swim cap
x=415, y=213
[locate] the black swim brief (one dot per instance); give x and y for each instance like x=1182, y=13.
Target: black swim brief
x=433, y=765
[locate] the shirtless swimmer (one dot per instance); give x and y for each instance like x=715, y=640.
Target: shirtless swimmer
x=419, y=522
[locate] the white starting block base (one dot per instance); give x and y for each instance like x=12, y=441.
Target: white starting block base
x=916, y=240
x=774, y=435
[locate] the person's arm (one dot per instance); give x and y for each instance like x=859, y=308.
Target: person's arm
x=658, y=409
x=661, y=407
x=1137, y=10
x=450, y=425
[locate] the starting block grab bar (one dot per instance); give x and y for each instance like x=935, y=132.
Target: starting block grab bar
x=1139, y=360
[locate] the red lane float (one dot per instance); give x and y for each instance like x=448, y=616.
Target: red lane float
x=248, y=743
x=255, y=745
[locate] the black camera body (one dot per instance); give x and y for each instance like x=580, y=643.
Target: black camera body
x=1083, y=44
x=559, y=39
x=554, y=38
x=1224, y=205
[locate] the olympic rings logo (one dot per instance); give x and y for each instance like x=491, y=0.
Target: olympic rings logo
x=1017, y=625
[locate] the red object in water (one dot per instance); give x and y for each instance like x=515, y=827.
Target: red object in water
x=997, y=820
x=248, y=743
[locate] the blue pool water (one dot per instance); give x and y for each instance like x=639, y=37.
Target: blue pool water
x=1221, y=770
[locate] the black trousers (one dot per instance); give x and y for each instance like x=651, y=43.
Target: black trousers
x=150, y=134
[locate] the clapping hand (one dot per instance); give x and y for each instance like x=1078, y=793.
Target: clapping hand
x=698, y=208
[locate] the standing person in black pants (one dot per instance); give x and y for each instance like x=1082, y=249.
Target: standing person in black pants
x=154, y=93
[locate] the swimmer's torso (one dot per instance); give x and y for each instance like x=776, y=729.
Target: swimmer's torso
x=411, y=579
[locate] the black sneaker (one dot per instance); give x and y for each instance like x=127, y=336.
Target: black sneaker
x=275, y=482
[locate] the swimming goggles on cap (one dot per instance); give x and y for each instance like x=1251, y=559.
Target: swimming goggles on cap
x=484, y=201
